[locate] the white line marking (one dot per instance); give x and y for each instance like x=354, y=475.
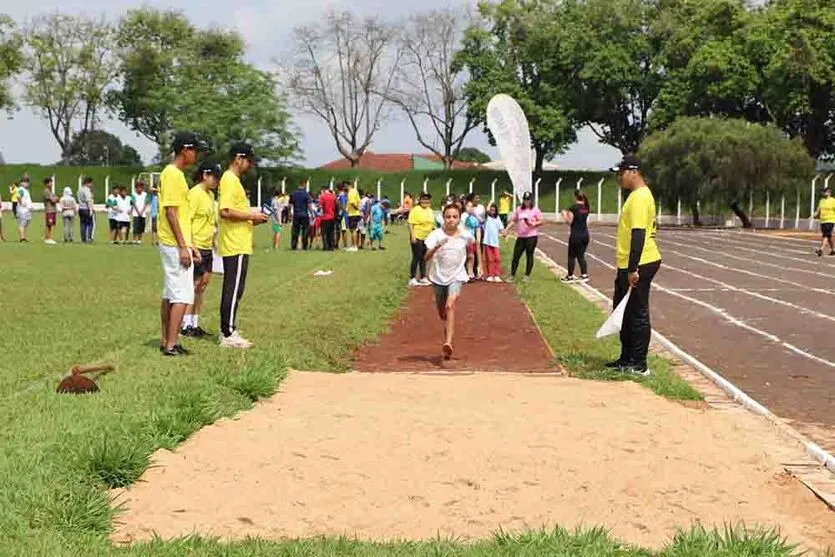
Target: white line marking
x=770, y=250
x=732, y=390
x=724, y=315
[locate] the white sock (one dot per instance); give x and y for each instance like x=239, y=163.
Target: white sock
x=195, y=319
x=187, y=321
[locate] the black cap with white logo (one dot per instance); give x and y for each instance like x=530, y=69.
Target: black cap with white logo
x=629, y=162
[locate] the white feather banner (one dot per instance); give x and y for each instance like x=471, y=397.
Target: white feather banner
x=510, y=129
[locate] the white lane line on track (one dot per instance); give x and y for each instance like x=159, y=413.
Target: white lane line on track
x=732, y=390
x=735, y=270
x=733, y=288
x=770, y=250
x=723, y=314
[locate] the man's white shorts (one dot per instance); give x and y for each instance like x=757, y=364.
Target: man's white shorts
x=178, y=281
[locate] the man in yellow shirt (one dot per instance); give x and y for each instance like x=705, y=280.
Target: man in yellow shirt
x=235, y=241
x=826, y=214
x=175, y=242
x=421, y=224
x=638, y=260
x=203, y=217
x=354, y=214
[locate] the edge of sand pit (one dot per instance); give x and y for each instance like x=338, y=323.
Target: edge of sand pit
x=815, y=468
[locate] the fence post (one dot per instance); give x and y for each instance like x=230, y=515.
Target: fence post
x=448, y=183
x=283, y=186
x=402, y=186
x=557, y=198
x=79, y=181
x=797, y=211
x=767, y=207
x=580, y=181
x=330, y=184
x=132, y=183
x=658, y=208
x=536, y=192
x=470, y=186
x=106, y=186
x=307, y=187
x=783, y=211
x=751, y=204
x=812, y=202
x=379, y=188
x=678, y=211
x=425, y=184
x=493, y=190
x=599, y=198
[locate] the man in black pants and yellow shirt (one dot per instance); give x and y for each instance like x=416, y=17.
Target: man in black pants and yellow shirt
x=234, y=240
x=638, y=259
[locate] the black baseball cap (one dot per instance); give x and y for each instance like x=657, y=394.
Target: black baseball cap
x=527, y=196
x=187, y=140
x=628, y=162
x=242, y=150
x=209, y=167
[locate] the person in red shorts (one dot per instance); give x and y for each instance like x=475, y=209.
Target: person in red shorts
x=50, y=207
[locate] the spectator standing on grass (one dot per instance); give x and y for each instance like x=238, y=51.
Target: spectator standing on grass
x=492, y=250
x=139, y=210
x=302, y=205
x=342, y=209
x=177, y=252
x=375, y=225
x=85, y=210
x=124, y=209
x=505, y=202
x=276, y=218
x=14, y=198
x=354, y=215
x=154, y=214
x=473, y=227
x=203, y=217
x=638, y=260
x=327, y=206
x=527, y=219
x=24, y=210
x=113, y=224
x=69, y=208
x=577, y=216
x=235, y=241
x=421, y=223
x=447, y=253
x=50, y=209
x=826, y=214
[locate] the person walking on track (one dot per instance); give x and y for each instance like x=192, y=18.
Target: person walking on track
x=527, y=220
x=235, y=241
x=826, y=214
x=421, y=222
x=577, y=216
x=176, y=248
x=638, y=260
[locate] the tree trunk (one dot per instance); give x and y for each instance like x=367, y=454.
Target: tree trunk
x=694, y=210
x=540, y=158
x=746, y=222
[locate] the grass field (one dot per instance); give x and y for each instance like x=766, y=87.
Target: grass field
x=77, y=304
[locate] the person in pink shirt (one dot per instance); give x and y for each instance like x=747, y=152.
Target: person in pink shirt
x=527, y=219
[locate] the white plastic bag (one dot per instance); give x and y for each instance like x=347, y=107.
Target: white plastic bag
x=615, y=320
x=217, y=263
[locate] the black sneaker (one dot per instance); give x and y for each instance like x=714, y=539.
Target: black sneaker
x=818, y=252
x=567, y=279
x=832, y=252
x=170, y=351
x=200, y=333
x=180, y=350
x=616, y=364
x=188, y=331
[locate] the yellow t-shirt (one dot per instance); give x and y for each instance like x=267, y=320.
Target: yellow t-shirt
x=233, y=237
x=504, y=205
x=353, y=202
x=638, y=212
x=827, y=209
x=422, y=221
x=201, y=212
x=173, y=192
x=13, y=193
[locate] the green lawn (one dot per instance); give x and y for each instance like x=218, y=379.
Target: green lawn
x=66, y=305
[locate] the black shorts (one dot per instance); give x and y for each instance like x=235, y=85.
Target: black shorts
x=353, y=222
x=124, y=225
x=205, y=265
x=826, y=229
x=138, y=225
x=114, y=224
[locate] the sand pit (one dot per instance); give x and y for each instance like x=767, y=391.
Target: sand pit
x=416, y=456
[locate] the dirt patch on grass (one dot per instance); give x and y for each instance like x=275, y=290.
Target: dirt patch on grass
x=493, y=332
x=415, y=456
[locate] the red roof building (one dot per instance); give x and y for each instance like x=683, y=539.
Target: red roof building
x=395, y=162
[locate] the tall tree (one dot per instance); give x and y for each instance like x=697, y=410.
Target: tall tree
x=429, y=89
x=513, y=50
x=11, y=58
x=69, y=66
x=342, y=71
x=99, y=147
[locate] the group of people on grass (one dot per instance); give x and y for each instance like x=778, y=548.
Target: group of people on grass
x=122, y=210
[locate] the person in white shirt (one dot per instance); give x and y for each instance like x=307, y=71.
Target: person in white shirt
x=24, y=210
x=139, y=207
x=123, y=212
x=447, y=255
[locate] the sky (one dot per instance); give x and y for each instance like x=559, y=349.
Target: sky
x=266, y=26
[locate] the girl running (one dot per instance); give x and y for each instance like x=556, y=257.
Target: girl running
x=447, y=255
x=492, y=254
x=527, y=220
x=578, y=240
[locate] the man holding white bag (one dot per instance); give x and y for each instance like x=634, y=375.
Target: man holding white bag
x=638, y=260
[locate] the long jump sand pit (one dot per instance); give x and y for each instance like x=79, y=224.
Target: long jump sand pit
x=406, y=456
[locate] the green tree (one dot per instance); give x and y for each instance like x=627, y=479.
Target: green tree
x=513, y=51
x=11, y=58
x=722, y=161
x=99, y=147
x=175, y=76
x=471, y=154
x=68, y=67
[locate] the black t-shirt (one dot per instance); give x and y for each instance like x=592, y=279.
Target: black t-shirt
x=579, y=224
x=300, y=200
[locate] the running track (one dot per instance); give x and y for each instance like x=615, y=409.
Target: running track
x=757, y=309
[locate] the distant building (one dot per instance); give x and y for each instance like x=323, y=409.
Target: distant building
x=396, y=162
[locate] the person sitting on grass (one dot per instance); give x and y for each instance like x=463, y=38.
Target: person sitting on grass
x=826, y=213
x=447, y=254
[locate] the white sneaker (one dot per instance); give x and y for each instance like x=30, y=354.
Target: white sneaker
x=490, y=279
x=497, y=279
x=50, y=242
x=242, y=340
x=414, y=282
x=234, y=341
x=424, y=282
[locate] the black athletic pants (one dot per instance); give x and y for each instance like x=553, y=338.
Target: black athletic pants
x=234, y=280
x=636, y=329
x=328, y=239
x=577, y=253
x=526, y=246
x=418, y=261
x=300, y=225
